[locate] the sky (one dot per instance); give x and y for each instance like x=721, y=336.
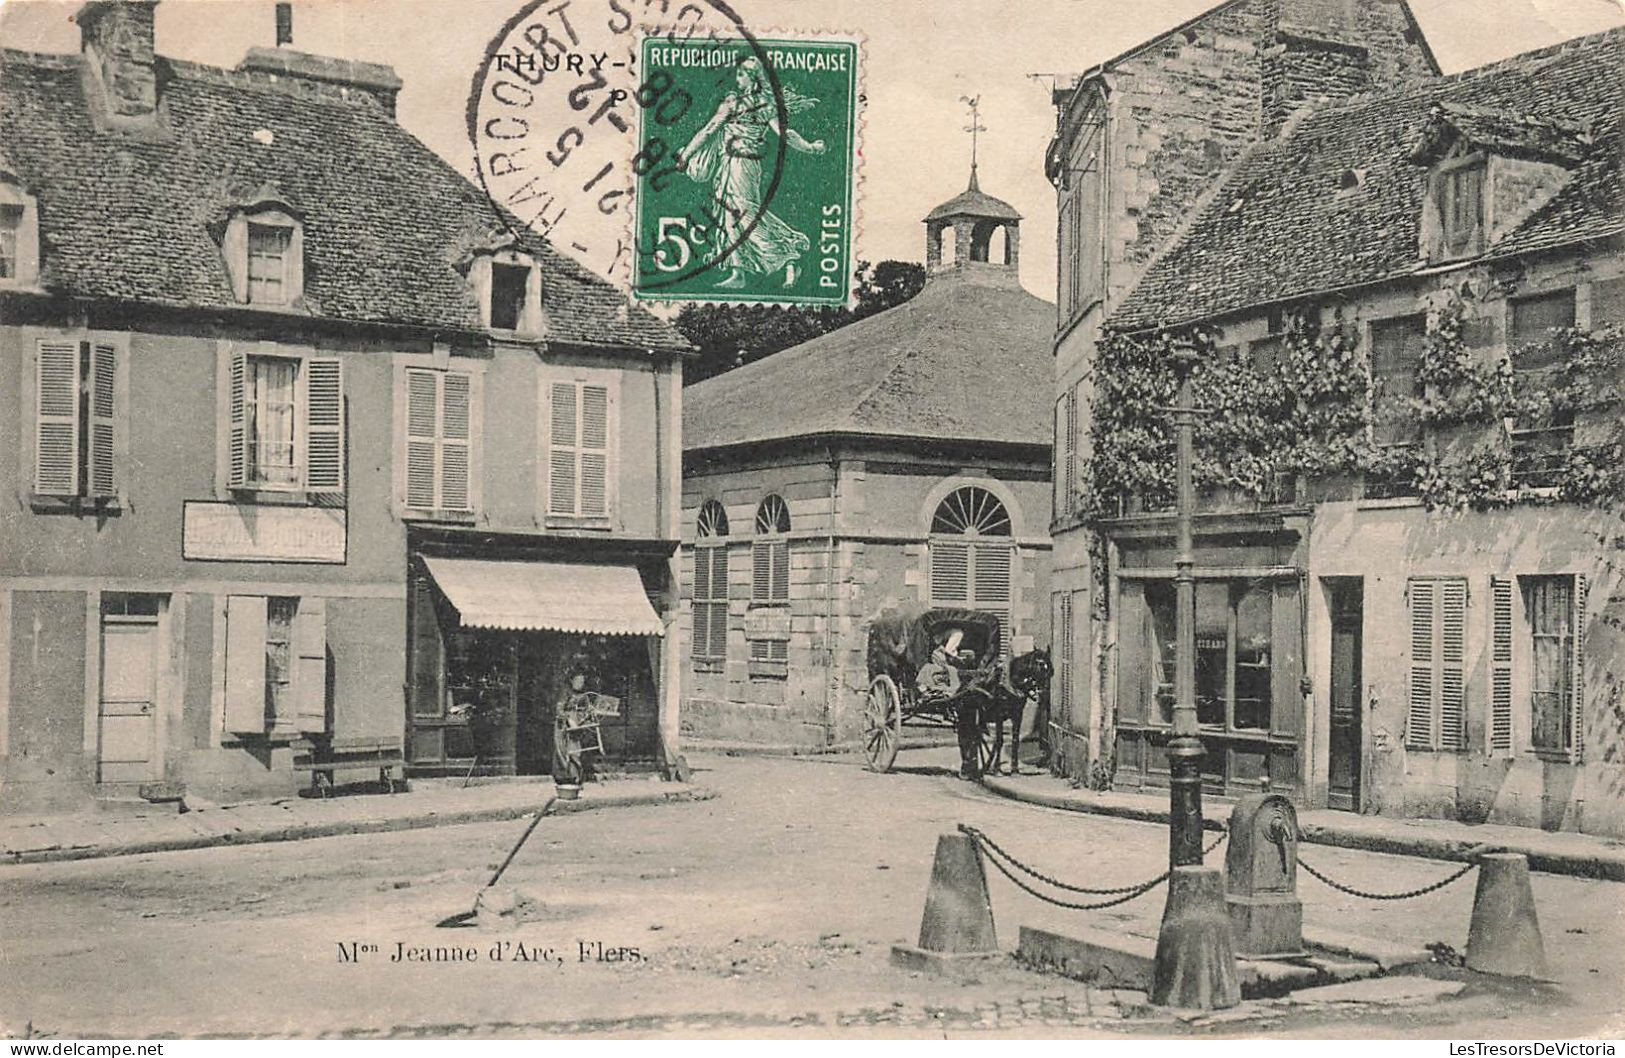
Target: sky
x=919, y=58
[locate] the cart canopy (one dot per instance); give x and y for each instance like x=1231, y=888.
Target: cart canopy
x=900, y=642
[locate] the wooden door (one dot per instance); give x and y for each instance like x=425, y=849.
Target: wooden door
x=129, y=701
x=1343, y=776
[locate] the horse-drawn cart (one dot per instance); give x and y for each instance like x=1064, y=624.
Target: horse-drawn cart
x=957, y=651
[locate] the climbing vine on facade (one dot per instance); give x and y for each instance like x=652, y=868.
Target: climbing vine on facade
x=1306, y=419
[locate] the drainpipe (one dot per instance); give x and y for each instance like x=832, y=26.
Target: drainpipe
x=832, y=681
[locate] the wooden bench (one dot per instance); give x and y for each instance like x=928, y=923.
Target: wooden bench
x=325, y=757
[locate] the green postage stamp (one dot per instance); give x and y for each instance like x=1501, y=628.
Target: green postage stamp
x=745, y=170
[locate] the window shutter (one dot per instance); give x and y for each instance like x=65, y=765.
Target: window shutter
x=104, y=379
x=992, y=588
x=562, y=439
x=324, y=424
x=235, y=250
x=1061, y=649
x=425, y=662
x=594, y=450
x=56, y=419
x=236, y=419
x=1499, y=742
x=455, y=442
x=702, y=605
x=422, y=448
x=1070, y=464
x=1419, y=719
x=950, y=572
x=1136, y=651
x=1577, y=679
x=781, y=571
x=1452, y=655
x=718, y=640
x=761, y=580
x=245, y=663
x=310, y=665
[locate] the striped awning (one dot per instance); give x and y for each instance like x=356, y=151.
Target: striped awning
x=589, y=598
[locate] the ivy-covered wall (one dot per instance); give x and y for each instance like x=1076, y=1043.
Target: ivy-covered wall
x=1292, y=404
x=1299, y=428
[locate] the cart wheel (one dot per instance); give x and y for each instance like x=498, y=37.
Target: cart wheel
x=882, y=723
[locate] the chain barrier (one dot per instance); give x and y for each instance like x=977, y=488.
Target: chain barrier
x=1350, y=890
x=998, y=857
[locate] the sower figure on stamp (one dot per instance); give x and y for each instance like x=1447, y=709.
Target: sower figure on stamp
x=727, y=153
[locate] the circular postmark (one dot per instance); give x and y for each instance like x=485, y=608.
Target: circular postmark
x=567, y=121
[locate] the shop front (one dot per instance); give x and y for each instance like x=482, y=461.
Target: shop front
x=505, y=635
x=1249, y=652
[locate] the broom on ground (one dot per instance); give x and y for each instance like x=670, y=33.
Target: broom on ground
x=464, y=918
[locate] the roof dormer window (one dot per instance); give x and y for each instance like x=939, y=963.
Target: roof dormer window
x=508, y=286
x=264, y=248
x=1457, y=192
x=1488, y=172
x=19, y=238
x=268, y=246
x=508, y=283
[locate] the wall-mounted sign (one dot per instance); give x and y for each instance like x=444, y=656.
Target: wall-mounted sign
x=249, y=532
x=768, y=623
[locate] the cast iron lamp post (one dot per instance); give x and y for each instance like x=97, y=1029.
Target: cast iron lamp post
x=1184, y=749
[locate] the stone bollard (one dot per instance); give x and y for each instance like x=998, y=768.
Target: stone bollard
x=1196, y=962
x=957, y=927
x=1261, y=877
x=1504, y=937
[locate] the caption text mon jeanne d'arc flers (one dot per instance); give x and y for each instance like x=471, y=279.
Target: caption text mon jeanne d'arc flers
x=504, y=951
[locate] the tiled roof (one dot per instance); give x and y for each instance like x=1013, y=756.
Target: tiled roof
x=135, y=215
x=968, y=358
x=1503, y=132
x=974, y=202
x=1279, y=227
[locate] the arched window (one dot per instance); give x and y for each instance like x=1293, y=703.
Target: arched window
x=971, y=553
x=770, y=585
x=710, y=642
x=770, y=552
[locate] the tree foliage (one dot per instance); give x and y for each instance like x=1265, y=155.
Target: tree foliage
x=733, y=335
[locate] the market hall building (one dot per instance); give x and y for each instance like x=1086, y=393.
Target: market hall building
x=312, y=446
x=900, y=461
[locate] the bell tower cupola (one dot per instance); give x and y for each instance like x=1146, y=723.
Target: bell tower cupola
x=975, y=219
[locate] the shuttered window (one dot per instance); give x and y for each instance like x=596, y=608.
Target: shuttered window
x=275, y=665
x=1397, y=346
x=1061, y=649
x=580, y=434
x=76, y=419
x=1555, y=607
x=440, y=439
x=1066, y=452
x=976, y=576
x=971, y=554
x=1500, y=741
x=1436, y=716
x=1459, y=200
x=770, y=552
x=711, y=585
x=285, y=422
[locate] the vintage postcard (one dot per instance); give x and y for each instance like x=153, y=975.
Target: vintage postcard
x=878, y=519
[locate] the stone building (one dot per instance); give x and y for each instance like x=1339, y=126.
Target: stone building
x=1140, y=139
x=1409, y=600
x=901, y=460
x=310, y=443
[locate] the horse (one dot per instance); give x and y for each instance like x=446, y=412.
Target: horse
x=1024, y=679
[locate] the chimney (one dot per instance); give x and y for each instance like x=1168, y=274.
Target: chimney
x=116, y=38
x=284, y=25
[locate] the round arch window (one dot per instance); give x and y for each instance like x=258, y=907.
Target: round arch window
x=971, y=510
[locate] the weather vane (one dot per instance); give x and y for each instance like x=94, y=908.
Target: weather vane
x=975, y=126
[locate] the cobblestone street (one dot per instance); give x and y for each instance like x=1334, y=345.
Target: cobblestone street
x=773, y=906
